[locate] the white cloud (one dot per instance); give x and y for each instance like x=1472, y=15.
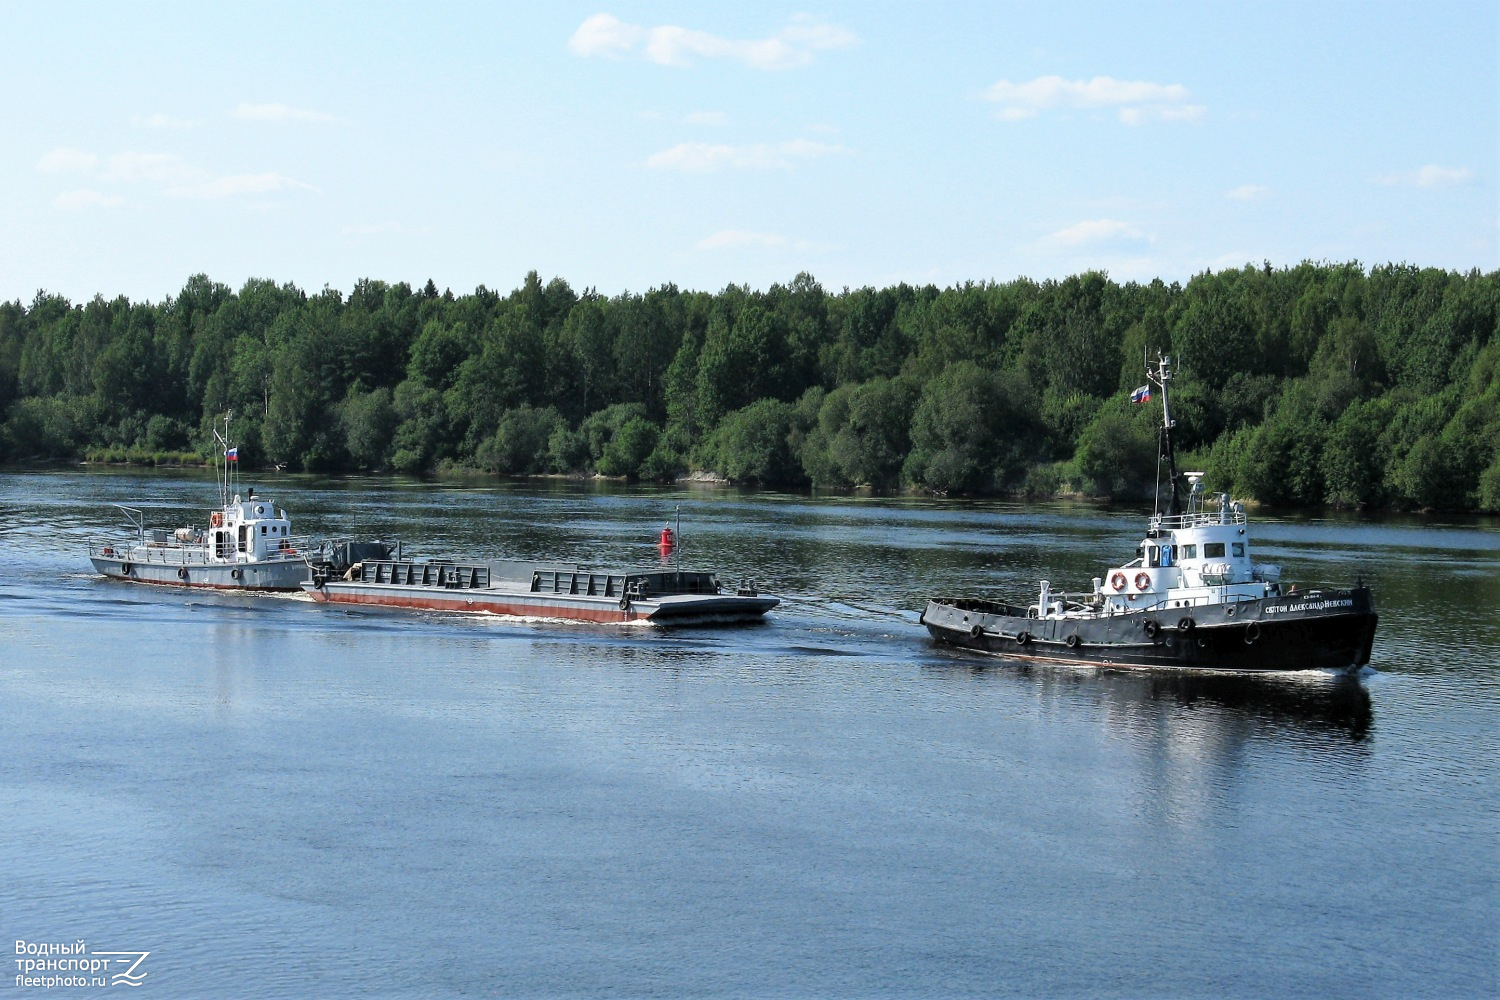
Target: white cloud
x=605, y=35
x=1430, y=176
x=729, y=239
x=237, y=184
x=1136, y=101
x=671, y=45
x=167, y=171
x=66, y=160
x=161, y=168
x=710, y=156
x=378, y=229
x=163, y=121
x=1093, y=232
x=280, y=113
x=80, y=200
x=706, y=118
x=1247, y=192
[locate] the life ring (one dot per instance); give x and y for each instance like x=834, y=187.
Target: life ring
x=235, y=573
x=182, y=573
x=1151, y=628
x=1252, y=633
x=289, y=551
x=1186, y=625
x=1143, y=581
x=216, y=520
x=1023, y=638
x=976, y=631
x=1073, y=641
x=1117, y=581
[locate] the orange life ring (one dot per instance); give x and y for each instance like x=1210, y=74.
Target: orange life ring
x=1143, y=581
x=1117, y=581
x=215, y=520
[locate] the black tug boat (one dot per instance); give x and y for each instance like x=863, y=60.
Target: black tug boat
x=1192, y=599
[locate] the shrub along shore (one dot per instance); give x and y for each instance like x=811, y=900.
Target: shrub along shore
x=1309, y=385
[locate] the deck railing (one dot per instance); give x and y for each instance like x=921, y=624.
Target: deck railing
x=296, y=548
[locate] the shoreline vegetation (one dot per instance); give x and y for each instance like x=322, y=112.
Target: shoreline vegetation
x=1316, y=385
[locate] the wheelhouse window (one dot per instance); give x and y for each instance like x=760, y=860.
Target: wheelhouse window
x=1189, y=551
x=1212, y=550
x=1239, y=550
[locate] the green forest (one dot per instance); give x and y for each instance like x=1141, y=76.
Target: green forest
x=1319, y=384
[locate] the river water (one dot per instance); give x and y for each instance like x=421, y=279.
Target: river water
x=279, y=799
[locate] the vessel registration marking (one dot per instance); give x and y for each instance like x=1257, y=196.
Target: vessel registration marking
x=1346, y=602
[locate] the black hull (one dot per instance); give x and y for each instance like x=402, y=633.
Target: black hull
x=1319, y=630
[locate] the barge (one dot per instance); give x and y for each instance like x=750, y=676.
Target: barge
x=543, y=590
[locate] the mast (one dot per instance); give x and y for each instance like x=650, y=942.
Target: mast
x=221, y=461
x=1161, y=376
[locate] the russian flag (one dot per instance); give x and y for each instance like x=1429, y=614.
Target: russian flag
x=233, y=454
x=1141, y=395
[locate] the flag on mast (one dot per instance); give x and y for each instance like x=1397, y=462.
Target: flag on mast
x=233, y=454
x=1141, y=395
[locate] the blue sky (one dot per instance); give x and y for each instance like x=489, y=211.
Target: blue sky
x=623, y=146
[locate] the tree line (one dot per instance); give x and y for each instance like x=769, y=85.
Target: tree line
x=1316, y=384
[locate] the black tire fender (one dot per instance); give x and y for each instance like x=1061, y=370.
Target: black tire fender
x=976, y=631
x=1186, y=625
x=1151, y=628
x=1023, y=638
x=1073, y=640
x=182, y=573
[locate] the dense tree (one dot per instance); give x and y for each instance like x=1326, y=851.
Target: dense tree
x=1318, y=383
x=973, y=430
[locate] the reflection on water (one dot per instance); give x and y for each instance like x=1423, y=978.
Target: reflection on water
x=1318, y=702
x=825, y=803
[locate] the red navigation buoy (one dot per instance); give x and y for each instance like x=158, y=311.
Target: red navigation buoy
x=668, y=540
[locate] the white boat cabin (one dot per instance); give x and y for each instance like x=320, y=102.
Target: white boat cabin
x=1186, y=560
x=1200, y=557
x=248, y=531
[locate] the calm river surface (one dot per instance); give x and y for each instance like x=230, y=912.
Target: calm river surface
x=278, y=799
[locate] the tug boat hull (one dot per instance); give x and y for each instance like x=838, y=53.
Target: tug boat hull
x=1316, y=630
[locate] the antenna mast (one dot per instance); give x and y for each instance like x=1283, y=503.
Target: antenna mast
x=1161, y=376
x=221, y=461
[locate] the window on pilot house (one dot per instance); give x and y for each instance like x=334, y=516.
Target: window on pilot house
x=1239, y=550
x=1188, y=551
x=1213, y=550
